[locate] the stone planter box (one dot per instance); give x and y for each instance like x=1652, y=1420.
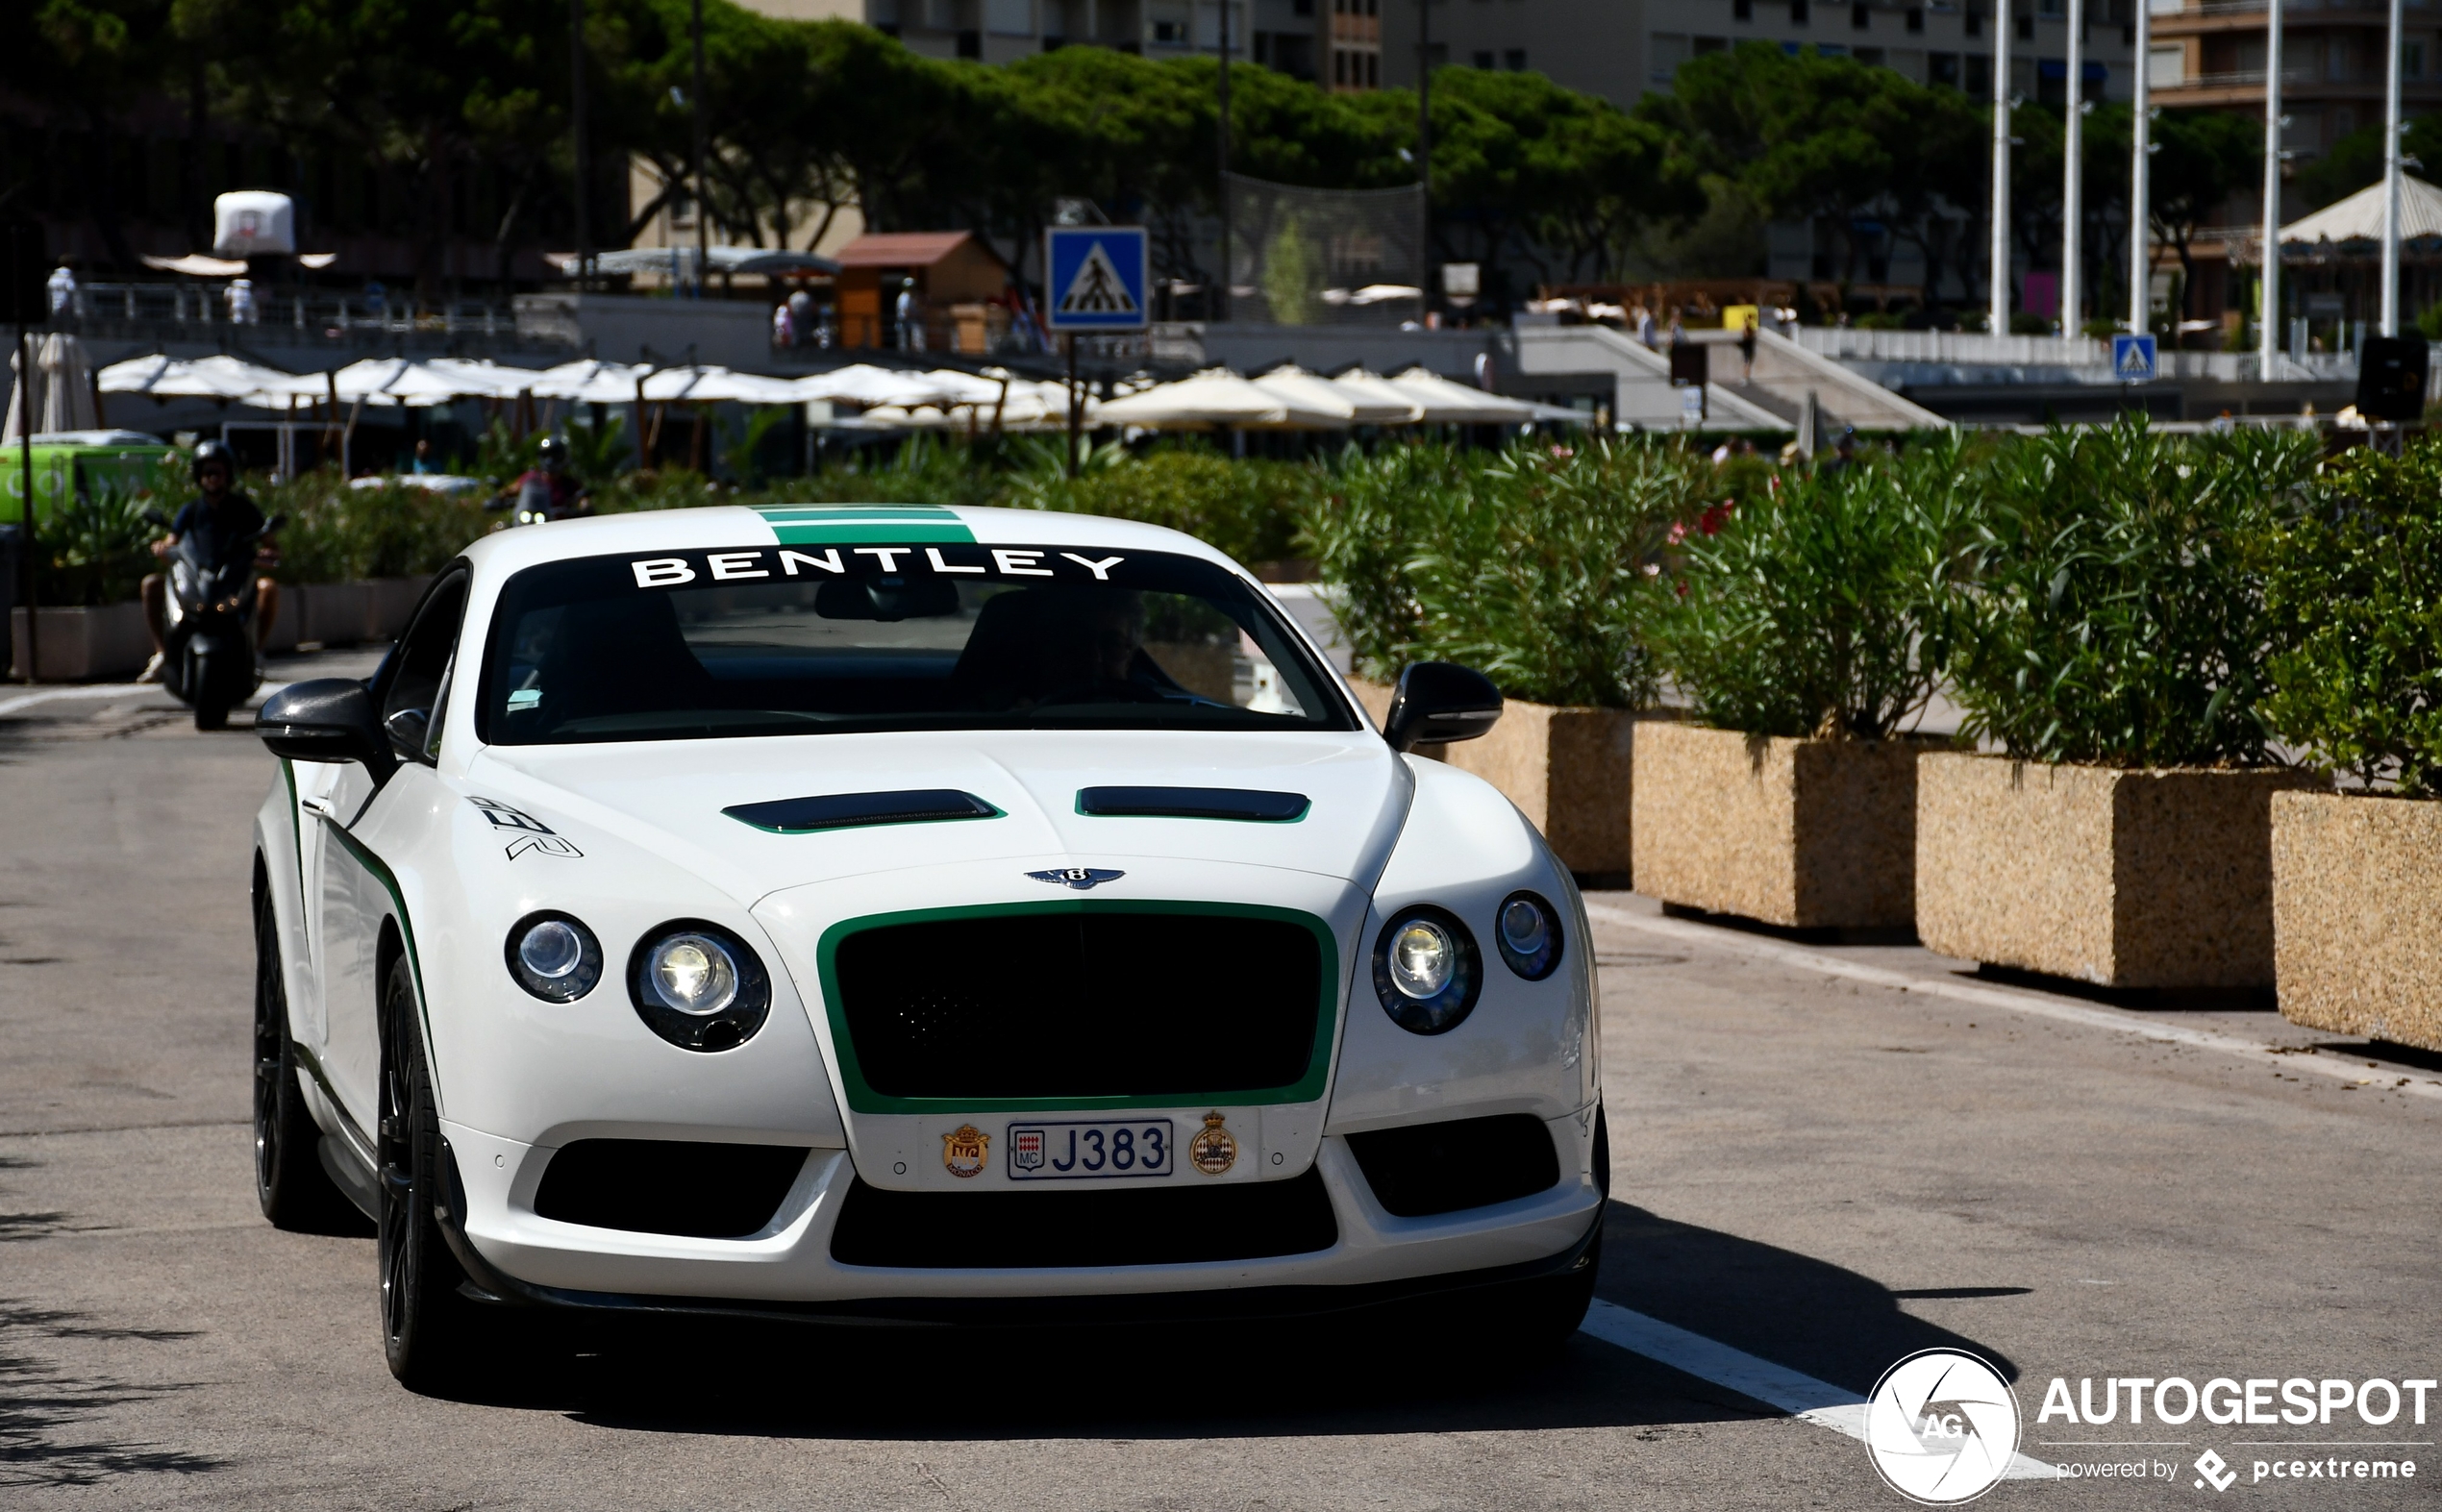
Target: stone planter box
x=83, y=645
x=2356, y=941
x=1568, y=770
x=1802, y=833
x=2125, y=878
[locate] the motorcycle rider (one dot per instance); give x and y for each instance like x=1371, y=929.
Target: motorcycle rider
x=546, y=489
x=219, y=517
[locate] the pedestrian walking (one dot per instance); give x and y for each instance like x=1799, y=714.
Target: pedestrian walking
x=911, y=318
x=241, y=302
x=63, y=287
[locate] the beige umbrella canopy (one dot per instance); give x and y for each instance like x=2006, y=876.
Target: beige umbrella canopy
x=1218, y=398
x=1377, y=401
x=2359, y=216
x=218, y=377
x=59, y=398
x=1445, y=403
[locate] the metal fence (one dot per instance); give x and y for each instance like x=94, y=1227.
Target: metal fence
x=299, y=316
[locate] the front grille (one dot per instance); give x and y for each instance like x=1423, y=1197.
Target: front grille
x=1098, y=1003
x=664, y=1186
x=1029, y=1230
x=1468, y=1162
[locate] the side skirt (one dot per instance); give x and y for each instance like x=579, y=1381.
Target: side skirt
x=348, y=1169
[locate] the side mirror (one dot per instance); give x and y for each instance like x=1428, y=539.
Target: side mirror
x=1439, y=702
x=328, y=719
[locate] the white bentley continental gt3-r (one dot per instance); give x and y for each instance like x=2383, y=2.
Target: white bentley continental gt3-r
x=908, y=914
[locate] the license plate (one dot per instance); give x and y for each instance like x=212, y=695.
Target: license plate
x=1089, y=1151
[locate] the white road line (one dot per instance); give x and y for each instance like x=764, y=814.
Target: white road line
x=2011, y=1001
x=1801, y=1396
x=106, y=690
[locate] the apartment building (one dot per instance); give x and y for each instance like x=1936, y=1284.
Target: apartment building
x=1287, y=35
x=2212, y=54
x=1623, y=50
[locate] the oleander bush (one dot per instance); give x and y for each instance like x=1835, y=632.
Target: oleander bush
x=336, y=533
x=2353, y=588
x=2114, y=611
x=96, y=546
x=1822, y=605
x=1537, y=565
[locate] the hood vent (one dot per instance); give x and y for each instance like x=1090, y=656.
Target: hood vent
x=848, y=810
x=1192, y=802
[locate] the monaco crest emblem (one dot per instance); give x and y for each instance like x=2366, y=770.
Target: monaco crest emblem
x=1212, y=1150
x=965, y=1151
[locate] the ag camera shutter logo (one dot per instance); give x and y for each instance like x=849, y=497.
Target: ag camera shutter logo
x=1941, y=1428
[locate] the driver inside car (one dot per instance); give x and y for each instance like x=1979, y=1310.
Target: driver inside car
x=1065, y=644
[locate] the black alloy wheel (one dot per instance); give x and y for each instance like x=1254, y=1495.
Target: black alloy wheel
x=294, y=1191
x=426, y=1324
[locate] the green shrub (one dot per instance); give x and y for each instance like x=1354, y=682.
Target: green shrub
x=1247, y=508
x=336, y=533
x=2116, y=615
x=96, y=546
x=1536, y=566
x=1821, y=606
x=2355, y=590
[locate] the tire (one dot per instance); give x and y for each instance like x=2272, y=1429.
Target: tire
x=295, y=1192
x=428, y=1329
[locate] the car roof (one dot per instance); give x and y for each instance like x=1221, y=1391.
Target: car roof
x=718, y=525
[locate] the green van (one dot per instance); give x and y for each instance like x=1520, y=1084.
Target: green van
x=70, y=464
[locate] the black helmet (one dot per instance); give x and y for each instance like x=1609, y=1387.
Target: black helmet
x=552, y=451
x=213, y=452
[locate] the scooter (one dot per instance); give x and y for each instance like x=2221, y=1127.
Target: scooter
x=207, y=644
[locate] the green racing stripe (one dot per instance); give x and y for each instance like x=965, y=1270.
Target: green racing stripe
x=823, y=525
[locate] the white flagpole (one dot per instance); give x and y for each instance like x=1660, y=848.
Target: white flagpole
x=2268, y=336
x=2391, y=185
x=2140, y=200
x=2000, y=315
x=2073, y=159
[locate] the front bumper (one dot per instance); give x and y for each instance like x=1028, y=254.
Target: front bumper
x=789, y=1270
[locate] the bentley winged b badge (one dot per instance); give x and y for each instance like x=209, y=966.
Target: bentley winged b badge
x=1082, y=878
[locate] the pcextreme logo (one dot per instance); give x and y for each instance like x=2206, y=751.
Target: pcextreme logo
x=1941, y=1426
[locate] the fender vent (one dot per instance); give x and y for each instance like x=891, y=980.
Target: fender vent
x=1192, y=802
x=847, y=811
x=667, y=1186
x=1425, y=1169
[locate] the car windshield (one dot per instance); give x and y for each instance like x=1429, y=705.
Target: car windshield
x=800, y=640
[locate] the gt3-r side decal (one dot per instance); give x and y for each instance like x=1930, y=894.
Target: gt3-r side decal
x=530, y=833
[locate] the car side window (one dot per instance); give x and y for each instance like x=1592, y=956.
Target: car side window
x=410, y=707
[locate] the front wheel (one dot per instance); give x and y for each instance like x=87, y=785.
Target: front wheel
x=211, y=710
x=294, y=1191
x=427, y=1326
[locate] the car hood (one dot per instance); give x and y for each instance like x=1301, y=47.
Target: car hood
x=669, y=797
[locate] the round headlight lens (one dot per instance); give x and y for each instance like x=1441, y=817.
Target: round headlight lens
x=1426, y=969
x=695, y=973
x=698, y=985
x=1527, y=930
x=553, y=956
x=1423, y=959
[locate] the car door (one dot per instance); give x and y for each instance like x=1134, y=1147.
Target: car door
x=359, y=888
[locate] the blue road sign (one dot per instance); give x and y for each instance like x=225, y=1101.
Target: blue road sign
x=2132, y=360
x=1095, y=278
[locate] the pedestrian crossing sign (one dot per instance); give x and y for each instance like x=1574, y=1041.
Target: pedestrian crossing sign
x=1094, y=278
x=2132, y=359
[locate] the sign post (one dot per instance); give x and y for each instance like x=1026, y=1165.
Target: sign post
x=1094, y=279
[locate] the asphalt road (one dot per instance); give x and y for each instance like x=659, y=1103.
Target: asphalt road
x=1822, y=1170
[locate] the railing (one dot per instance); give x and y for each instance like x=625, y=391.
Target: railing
x=2080, y=358
x=202, y=312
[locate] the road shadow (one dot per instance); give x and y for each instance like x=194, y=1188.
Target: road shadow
x=45, y=1406
x=1400, y=1372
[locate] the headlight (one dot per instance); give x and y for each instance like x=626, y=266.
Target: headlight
x=1426, y=969
x=1528, y=932
x=553, y=956
x=699, y=986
